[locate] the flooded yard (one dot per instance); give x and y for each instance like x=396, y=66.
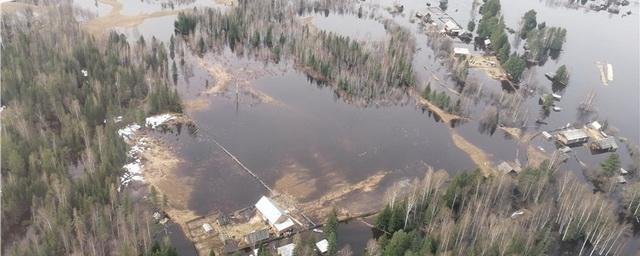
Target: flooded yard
x=308, y=141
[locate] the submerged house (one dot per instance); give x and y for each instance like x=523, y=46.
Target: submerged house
x=573, y=136
x=604, y=145
x=273, y=215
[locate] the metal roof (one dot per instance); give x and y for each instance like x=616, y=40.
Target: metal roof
x=273, y=214
x=323, y=245
x=606, y=143
x=286, y=250
x=574, y=134
x=257, y=236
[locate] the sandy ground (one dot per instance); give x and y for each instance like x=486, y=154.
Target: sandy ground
x=478, y=156
x=489, y=64
x=160, y=166
x=296, y=181
x=114, y=18
x=321, y=207
x=513, y=131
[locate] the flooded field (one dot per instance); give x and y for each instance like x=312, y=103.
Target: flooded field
x=302, y=139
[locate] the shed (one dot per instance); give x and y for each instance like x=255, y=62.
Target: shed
x=506, y=168
x=272, y=214
x=546, y=135
x=621, y=179
x=256, y=236
x=460, y=51
x=286, y=250
x=606, y=144
x=623, y=171
x=487, y=42
x=573, y=136
x=207, y=227
x=323, y=246
x=595, y=125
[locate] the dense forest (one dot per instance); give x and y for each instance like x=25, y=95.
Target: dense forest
x=275, y=31
x=61, y=91
x=535, y=213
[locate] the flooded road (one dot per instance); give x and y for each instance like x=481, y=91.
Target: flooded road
x=307, y=138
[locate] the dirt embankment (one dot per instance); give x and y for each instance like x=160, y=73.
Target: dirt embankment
x=444, y=115
x=478, y=156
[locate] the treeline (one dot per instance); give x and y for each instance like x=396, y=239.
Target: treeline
x=472, y=215
x=542, y=41
x=442, y=100
x=271, y=31
x=62, y=158
x=492, y=27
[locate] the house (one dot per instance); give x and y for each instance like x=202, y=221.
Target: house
x=460, y=51
x=607, y=144
x=286, y=250
x=273, y=215
x=573, y=136
x=256, y=236
x=451, y=28
x=323, y=246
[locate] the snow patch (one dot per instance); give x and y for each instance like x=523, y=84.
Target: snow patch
x=154, y=121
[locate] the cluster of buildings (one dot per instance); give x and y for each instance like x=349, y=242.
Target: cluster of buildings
x=591, y=133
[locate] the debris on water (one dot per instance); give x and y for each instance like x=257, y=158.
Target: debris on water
x=155, y=121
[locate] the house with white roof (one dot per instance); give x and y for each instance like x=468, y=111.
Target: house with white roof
x=286, y=250
x=276, y=218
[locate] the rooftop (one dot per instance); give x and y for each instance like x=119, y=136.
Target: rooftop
x=257, y=236
x=286, y=250
x=273, y=214
x=323, y=245
x=574, y=134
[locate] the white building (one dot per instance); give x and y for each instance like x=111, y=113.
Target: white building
x=286, y=250
x=272, y=214
x=323, y=246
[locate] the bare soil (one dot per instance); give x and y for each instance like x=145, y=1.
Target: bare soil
x=478, y=156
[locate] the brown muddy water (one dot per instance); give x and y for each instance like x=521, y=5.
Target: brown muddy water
x=308, y=131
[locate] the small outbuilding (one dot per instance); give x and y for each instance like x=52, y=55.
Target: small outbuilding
x=286, y=250
x=621, y=179
x=207, y=227
x=506, y=168
x=323, y=246
x=546, y=135
x=595, y=125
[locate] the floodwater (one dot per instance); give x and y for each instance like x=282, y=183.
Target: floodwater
x=362, y=29
x=308, y=130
